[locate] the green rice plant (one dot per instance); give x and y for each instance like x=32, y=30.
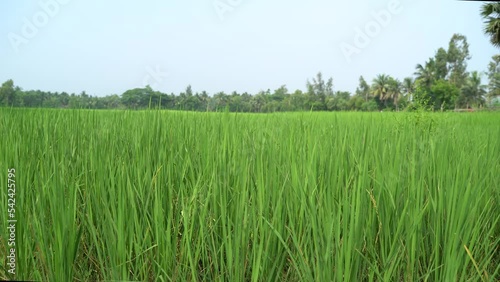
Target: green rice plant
x=182, y=196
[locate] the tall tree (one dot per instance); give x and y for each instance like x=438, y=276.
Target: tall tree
x=279, y=94
x=7, y=93
x=363, y=90
x=441, y=64
x=458, y=54
x=189, y=91
x=319, y=90
x=491, y=15
x=494, y=78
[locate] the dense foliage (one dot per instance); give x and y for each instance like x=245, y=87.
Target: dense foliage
x=491, y=15
x=442, y=83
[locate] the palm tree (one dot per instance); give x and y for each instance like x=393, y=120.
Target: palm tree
x=426, y=74
x=474, y=91
x=221, y=100
x=395, y=91
x=380, y=87
x=409, y=87
x=204, y=99
x=491, y=15
x=259, y=101
x=363, y=89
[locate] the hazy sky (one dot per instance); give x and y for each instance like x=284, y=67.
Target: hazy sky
x=107, y=47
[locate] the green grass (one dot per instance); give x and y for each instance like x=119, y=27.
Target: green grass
x=179, y=196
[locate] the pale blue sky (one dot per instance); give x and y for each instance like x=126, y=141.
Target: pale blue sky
x=107, y=47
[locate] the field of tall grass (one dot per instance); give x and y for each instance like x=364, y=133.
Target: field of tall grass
x=181, y=196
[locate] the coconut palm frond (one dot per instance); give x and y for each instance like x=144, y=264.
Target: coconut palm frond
x=491, y=15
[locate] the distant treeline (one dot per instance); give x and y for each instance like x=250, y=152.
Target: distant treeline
x=442, y=83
